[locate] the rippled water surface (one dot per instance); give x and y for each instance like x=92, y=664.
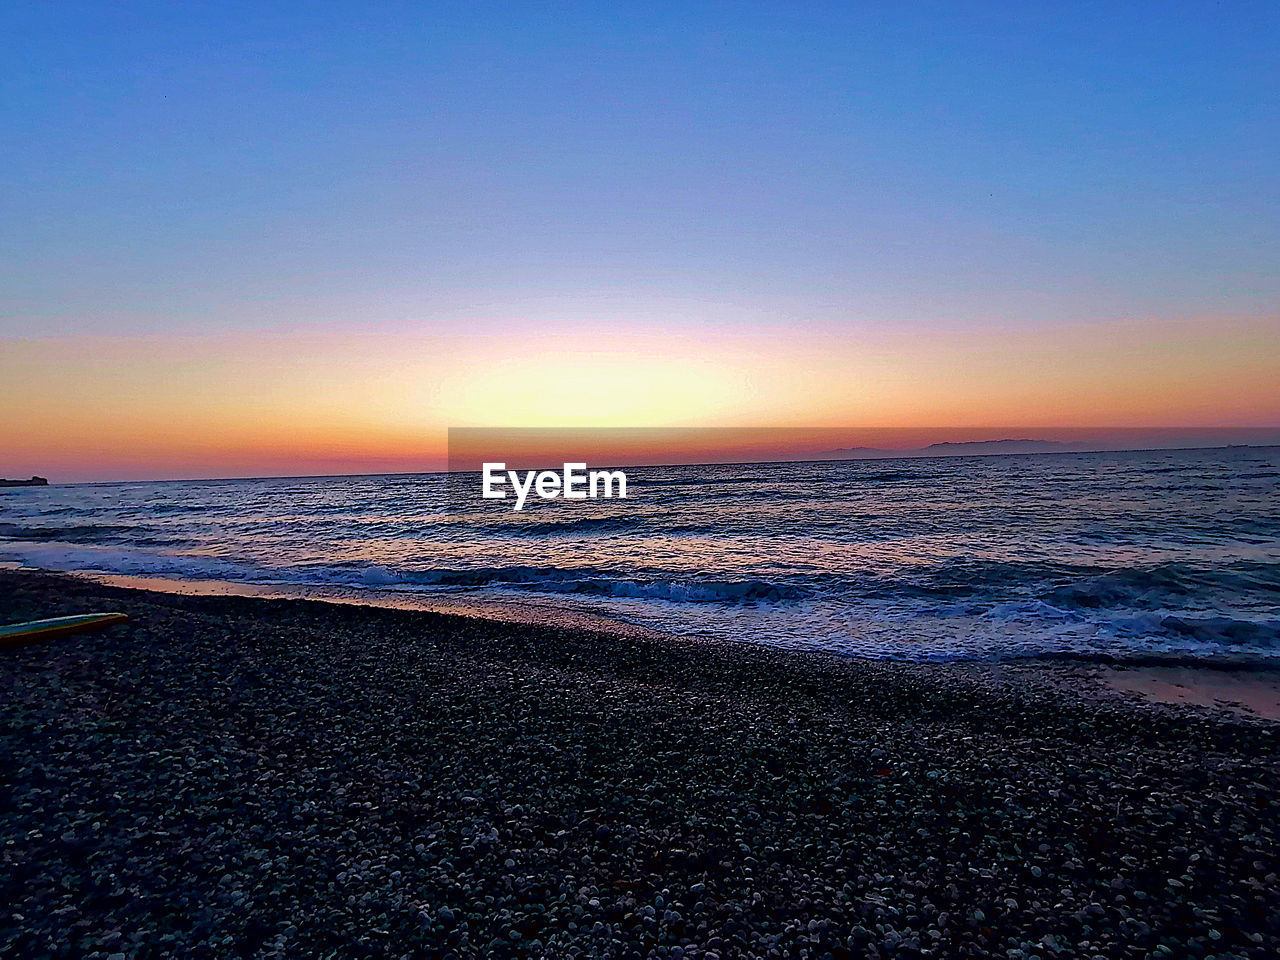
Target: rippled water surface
x=1127, y=554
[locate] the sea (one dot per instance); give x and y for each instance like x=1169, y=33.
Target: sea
x=1148, y=556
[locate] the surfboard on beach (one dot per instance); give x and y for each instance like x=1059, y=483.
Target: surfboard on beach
x=34, y=631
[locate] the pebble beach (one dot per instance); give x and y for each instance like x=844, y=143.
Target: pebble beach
x=244, y=777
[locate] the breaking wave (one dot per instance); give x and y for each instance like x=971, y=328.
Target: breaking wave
x=1157, y=586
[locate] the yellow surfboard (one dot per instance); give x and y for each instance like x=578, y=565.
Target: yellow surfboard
x=33, y=631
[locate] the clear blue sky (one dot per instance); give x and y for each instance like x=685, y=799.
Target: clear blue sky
x=238, y=165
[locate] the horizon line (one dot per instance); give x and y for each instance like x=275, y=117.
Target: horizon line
x=911, y=453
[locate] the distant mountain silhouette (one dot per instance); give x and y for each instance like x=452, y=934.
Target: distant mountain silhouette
x=1001, y=446
x=966, y=448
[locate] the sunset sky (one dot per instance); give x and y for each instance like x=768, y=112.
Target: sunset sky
x=249, y=239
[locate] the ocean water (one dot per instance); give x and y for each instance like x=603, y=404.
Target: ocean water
x=1169, y=554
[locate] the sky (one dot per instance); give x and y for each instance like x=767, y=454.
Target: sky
x=278, y=238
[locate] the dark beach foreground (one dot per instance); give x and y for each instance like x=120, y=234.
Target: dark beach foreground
x=245, y=777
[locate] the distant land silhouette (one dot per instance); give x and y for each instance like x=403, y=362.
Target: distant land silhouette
x=33, y=482
x=977, y=448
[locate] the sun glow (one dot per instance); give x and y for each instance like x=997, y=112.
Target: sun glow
x=356, y=401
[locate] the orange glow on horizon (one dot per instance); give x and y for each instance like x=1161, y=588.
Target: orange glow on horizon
x=356, y=402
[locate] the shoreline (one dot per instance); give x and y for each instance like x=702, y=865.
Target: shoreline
x=1245, y=689
x=1245, y=692
x=531, y=611
x=263, y=777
